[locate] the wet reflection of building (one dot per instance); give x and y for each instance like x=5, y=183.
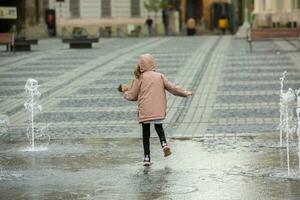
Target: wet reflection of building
x=30, y=17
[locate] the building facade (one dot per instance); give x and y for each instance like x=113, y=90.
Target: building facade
x=30, y=21
x=119, y=16
x=276, y=13
x=204, y=13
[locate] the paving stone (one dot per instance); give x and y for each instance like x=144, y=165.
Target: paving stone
x=258, y=78
x=98, y=91
x=245, y=113
x=234, y=99
x=29, y=75
x=86, y=116
x=41, y=69
x=259, y=64
x=111, y=81
x=260, y=70
x=15, y=83
x=10, y=92
x=99, y=102
x=243, y=128
x=257, y=87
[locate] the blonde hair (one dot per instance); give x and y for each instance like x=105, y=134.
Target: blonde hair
x=137, y=72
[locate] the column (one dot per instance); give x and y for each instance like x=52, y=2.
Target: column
x=259, y=6
x=279, y=5
x=256, y=6
x=287, y=5
x=269, y=5
x=183, y=11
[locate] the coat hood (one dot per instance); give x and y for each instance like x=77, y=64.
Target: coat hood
x=147, y=62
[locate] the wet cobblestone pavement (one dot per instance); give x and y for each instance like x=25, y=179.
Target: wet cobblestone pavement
x=222, y=168
x=236, y=93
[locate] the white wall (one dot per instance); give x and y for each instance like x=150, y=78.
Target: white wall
x=90, y=8
x=120, y=8
x=61, y=9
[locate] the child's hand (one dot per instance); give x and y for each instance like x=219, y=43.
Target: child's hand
x=189, y=93
x=123, y=88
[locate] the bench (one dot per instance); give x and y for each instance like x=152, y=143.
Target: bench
x=8, y=40
x=257, y=35
x=80, y=42
x=22, y=44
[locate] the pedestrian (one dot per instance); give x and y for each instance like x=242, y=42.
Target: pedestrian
x=165, y=19
x=149, y=23
x=223, y=24
x=191, y=27
x=148, y=88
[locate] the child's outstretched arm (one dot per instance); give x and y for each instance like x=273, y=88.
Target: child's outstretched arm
x=174, y=89
x=132, y=93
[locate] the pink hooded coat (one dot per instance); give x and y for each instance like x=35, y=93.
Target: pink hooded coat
x=149, y=91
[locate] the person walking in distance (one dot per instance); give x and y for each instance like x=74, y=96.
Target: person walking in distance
x=149, y=23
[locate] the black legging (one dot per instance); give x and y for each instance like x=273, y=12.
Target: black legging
x=146, y=136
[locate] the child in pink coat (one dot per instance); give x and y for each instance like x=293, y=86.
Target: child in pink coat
x=148, y=88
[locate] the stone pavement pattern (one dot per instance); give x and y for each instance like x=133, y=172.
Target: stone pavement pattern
x=96, y=151
x=234, y=91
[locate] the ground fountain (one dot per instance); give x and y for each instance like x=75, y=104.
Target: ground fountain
x=4, y=122
x=298, y=126
x=33, y=108
x=288, y=123
x=281, y=106
x=288, y=100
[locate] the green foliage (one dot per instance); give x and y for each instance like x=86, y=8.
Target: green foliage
x=155, y=5
x=152, y=5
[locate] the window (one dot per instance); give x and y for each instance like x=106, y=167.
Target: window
x=135, y=8
x=298, y=4
x=75, y=8
x=106, y=8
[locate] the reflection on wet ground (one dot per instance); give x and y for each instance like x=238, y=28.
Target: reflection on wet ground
x=209, y=168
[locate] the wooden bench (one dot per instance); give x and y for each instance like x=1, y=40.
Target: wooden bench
x=80, y=42
x=257, y=35
x=8, y=40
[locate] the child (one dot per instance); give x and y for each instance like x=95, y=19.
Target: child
x=148, y=88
